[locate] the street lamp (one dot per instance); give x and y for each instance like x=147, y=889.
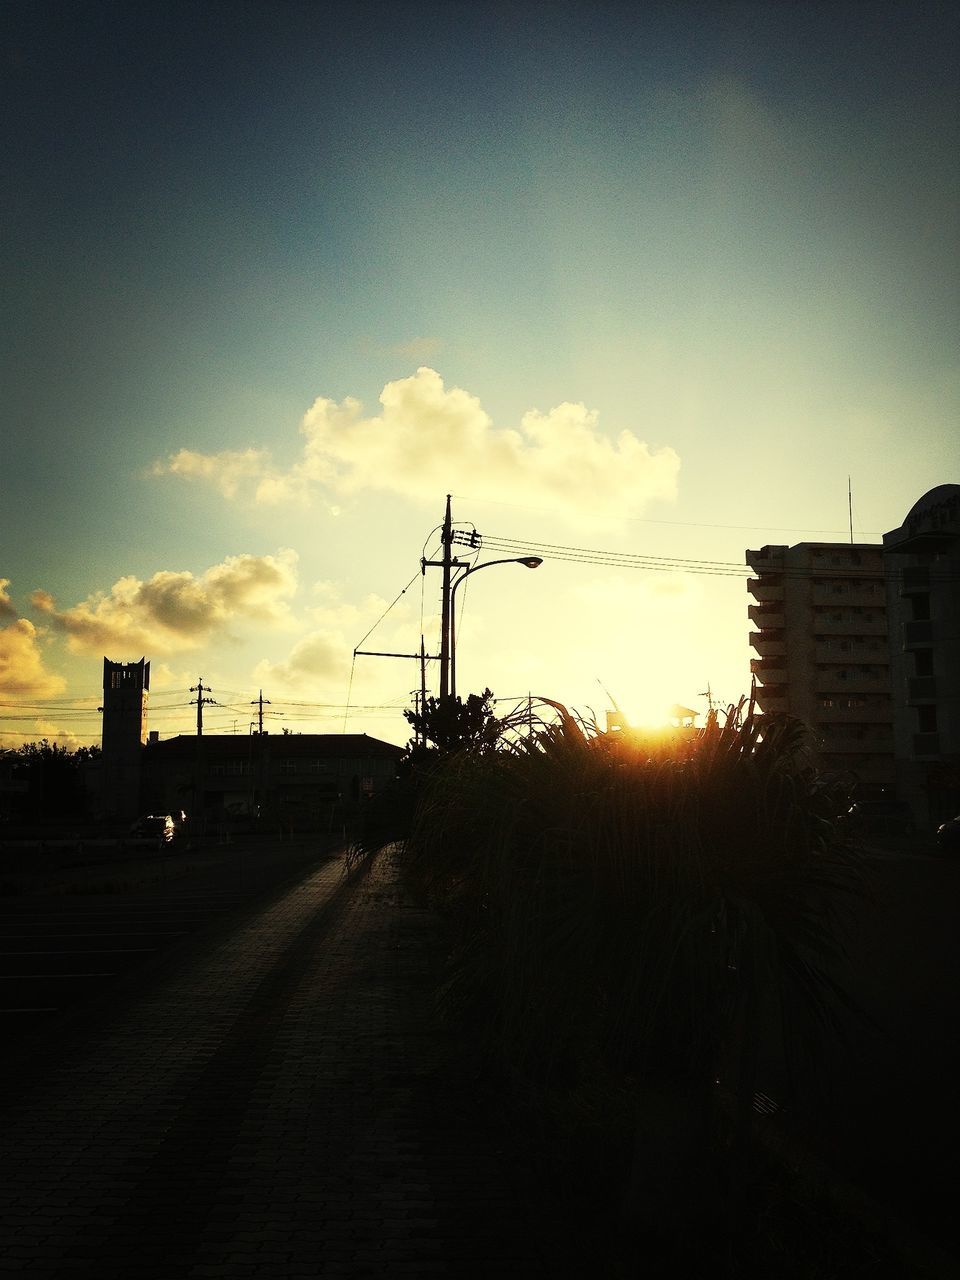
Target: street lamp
x=529, y=562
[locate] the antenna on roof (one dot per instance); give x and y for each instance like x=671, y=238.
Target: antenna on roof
x=850, y=508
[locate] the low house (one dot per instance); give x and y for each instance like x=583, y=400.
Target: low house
x=302, y=779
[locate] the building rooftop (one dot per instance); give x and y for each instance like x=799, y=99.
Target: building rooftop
x=931, y=525
x=289, y=745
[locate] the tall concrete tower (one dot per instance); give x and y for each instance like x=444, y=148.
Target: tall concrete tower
x=126, y=692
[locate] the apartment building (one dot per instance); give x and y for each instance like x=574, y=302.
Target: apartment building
x=923, y=558
x=820, y=632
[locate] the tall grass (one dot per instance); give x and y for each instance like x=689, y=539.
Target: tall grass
x=612, y=900
x=659, y=922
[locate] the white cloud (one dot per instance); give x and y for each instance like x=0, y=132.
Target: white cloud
x=7, y=609
x=22, y=672
x=62, y=737
x=174, y=610
x=225, y=471
x=319, y=658
x=429, y=440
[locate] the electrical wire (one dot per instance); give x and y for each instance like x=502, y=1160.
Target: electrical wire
x=678, y=564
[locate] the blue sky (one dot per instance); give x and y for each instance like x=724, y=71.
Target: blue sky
x=728, y=231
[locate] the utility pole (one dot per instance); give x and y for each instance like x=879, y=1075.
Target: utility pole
x=447, y=539
x=202, y=702
x=423, y=686
x=260, y=702
x=447, y=564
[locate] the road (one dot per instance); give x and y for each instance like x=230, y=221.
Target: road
x=76, y=933
x=279, y=1102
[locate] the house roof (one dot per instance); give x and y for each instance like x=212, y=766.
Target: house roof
x=286, y=746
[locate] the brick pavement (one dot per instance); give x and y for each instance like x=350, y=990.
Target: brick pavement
x=284, y=1104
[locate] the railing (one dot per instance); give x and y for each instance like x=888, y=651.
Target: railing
x=766, y=645
x=769, y=670
x=762, y=615
x=763, y=589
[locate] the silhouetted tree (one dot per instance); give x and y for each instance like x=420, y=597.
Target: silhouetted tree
x=452, y=724
x=54, y=778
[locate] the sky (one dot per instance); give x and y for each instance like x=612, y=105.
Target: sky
x=645, y=282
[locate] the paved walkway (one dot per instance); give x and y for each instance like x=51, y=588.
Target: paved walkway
x=284, y=1104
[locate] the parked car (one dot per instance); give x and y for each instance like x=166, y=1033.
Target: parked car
x=880, y=818
x=948, y=835
x=156, y=826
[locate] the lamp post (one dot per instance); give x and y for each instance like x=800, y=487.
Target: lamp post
x=529, y=562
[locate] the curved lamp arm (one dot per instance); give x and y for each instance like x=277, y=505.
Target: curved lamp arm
x=529, y=562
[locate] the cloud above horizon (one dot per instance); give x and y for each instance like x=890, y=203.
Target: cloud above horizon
x=7, y=607
x=174, y=610
x=22, y=670
x=429, y=439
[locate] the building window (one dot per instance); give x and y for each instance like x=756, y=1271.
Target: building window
x=927, y=718
x=924, y=660
x=288, y=767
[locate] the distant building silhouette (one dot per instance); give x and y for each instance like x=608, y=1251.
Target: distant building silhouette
x=297, y=778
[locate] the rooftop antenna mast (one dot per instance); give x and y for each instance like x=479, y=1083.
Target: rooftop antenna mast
x=850, y=508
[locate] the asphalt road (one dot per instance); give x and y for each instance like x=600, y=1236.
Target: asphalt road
x=62, y=952
x=281, y=1103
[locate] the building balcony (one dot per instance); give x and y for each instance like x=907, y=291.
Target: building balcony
x=851, y=593
x=766, y=589
x=926, y=746
x=767, y=617
x=914, y=580
x=769, y=671
x=772, y=700
x=768, y=645
x=766, y=560
x=918, y=633
x=826, y=626
x=921, y=689
x=862, y=652
x=854, y=682
x=854, y=715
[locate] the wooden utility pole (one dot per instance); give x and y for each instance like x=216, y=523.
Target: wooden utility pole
x=447, y=563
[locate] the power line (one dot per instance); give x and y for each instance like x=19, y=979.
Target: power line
x=677, y=564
